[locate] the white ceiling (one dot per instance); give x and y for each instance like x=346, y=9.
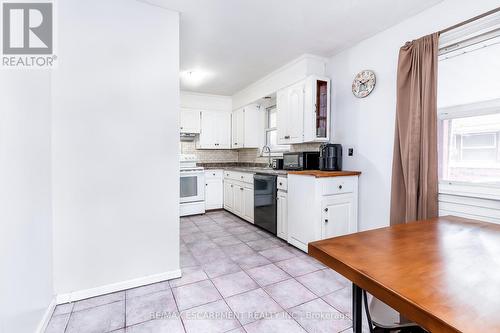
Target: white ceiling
x=236, y=42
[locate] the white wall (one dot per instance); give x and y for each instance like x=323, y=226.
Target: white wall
x=25, y=200
x=192, y=100
x=284, y=76
x=368, y=124
x=115, y=145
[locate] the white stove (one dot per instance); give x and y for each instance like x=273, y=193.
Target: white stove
x=192, y=186
x=188, y=161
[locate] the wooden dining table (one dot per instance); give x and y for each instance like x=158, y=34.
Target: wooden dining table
x=442, y=273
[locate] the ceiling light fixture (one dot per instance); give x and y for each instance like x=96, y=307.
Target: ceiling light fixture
x=194, y=77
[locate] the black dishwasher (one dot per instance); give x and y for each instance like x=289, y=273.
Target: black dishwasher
x=264, y=206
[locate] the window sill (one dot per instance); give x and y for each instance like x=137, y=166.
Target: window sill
x=473, y=190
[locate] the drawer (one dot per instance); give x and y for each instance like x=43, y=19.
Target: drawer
x=246, y=177
x=337, y=185
x=239, y=176
x=211, y=174
x=282, y=183
x=230, y=175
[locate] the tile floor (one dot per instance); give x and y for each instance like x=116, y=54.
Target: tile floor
x=236, y=278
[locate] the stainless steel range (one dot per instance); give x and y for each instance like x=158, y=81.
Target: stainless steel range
x=192, y=186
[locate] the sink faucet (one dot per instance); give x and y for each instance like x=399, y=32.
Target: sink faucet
x=264, y=149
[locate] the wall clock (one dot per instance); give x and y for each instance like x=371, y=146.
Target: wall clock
x=363, y=83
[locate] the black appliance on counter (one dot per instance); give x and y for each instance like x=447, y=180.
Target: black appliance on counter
x=306, y=160
x=330, y=158
x=278, y=164
x=265, y=202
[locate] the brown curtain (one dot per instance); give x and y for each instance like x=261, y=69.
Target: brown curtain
x=414, y=194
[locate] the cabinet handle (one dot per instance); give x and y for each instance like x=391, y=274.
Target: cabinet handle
x=287, y=136
x=281, y=184
x=326, y=209
x=182, y=127
x=241, y=177
x=340, y=187
x=326, y=220
x=231, y=185
x=213, y=174
x=241, y=188
x=235, y=143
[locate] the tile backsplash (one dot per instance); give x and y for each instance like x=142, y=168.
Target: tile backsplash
x=250, y=155
x=209, y=155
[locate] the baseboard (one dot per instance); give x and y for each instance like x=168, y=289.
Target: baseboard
x=114, y=287
x=42, y=326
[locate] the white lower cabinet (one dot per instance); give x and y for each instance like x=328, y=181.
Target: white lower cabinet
x=228, y=196
x=238, y=200
x=248, y=204
x=320, y=208
x=238, y=194
x=214, y=190
x=282, y=223
x=338, y=215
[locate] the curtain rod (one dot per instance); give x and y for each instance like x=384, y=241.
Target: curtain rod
x=458, y=25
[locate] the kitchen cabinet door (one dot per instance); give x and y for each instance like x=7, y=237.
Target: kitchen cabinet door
x=247, y=130
x=282, y=223
x=215, y=130
x=213, y=193
x=281, y=116
x=338, y=215
x=190, y=121
x=208, y=131
x=248, y=204
x=253, y=127
x=228, y=195
x=317, y=109
x=223, y=130
x=295, y=113
x=238, y=200
x=238, y=129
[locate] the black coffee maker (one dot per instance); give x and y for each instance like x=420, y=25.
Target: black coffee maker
x=330, y=157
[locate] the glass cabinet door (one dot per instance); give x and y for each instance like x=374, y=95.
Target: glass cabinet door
x=321, y=108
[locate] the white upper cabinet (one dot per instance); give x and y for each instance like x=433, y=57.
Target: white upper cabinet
x=295, y=113
x=238, y=129
x=282, y=116
x=215, y=132
x=190, y=120
x=317, y=109
x=290, y=108
x=304, y=111
x=247, y=127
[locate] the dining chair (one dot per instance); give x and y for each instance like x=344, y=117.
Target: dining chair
x=384, y=319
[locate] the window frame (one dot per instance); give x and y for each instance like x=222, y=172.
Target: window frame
x=276, y=150
x=463, y=188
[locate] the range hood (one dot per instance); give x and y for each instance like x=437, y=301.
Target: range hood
x=187, y=137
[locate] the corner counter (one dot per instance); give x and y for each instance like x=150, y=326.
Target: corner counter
x=321, y=204
x=325, y=174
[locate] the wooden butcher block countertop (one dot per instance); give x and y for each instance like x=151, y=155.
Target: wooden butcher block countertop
x=324, y=174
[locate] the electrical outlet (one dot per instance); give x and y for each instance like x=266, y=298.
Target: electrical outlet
x=350, y=152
